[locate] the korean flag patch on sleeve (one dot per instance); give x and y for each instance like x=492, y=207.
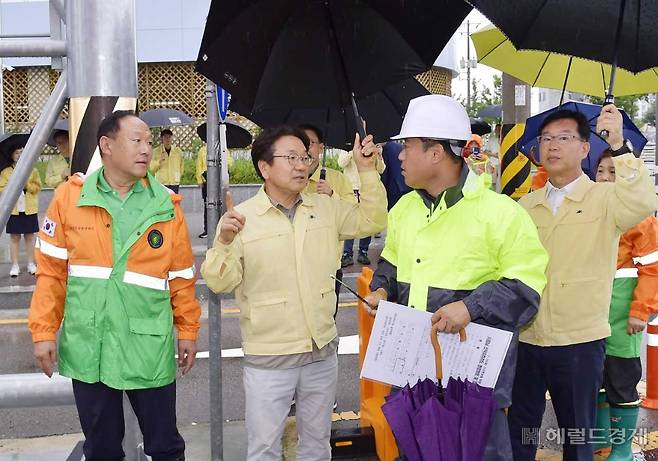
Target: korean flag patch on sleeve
x=48, y=227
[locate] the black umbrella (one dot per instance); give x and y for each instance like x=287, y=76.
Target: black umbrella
x=383, y=112
x=617, y=32
x=9, y=142
x=493, y=111
x=480, y=127
x=165, y=117
x=236, y=136
x=307, y=54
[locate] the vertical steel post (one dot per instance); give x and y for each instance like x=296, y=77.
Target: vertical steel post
x=214, y=184
x=102, y=63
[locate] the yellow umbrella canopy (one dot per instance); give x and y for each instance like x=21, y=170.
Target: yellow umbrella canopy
x=549, y=70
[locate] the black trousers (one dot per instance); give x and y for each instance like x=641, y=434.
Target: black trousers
x=620, y=378
x=100, y=409
x=573, y=375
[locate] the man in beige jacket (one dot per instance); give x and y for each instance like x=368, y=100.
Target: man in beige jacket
x=579, y=223
x=278, y=250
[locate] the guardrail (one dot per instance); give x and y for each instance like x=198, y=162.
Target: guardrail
x=30, y=390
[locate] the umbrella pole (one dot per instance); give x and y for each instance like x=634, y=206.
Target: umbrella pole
x=355, y=110
x=610, y=98
x=566, y=78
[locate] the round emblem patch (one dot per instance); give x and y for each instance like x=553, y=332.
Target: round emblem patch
x=155, y=239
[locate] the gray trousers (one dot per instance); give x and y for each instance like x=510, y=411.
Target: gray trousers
x=269, y=394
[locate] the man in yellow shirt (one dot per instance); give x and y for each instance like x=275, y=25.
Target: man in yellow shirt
x=167, y=162
x=58, y=169
x=276, y=250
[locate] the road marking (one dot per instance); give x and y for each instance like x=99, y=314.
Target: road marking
x=13, y=321
x=347, y=345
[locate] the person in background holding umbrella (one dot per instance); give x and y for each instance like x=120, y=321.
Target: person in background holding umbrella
x=167, y=163
x=332, y=182
x=326, y=181
x=277, y=250
x=59, y=169
x=23, y=220
x=201, y=176
x=492, y=149
x=456, y=248
x=346, y=162
x=579, y=223
x=634, y=298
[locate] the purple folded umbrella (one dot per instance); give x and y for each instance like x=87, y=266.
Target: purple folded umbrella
x=398, y=409
x=478, y=407
x=436, y=427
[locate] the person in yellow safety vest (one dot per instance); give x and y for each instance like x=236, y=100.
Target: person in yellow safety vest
x=277, y=251
x=346, y=162
x=458, y=249
x=59, y=167
x=335, y=184
x=24, y=219
x=201, y=179
x=116, y=273
x=167, y=163
x=634, y=298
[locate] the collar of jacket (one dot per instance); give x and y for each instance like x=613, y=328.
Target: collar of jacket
x=163, y=201
x=263, y=202
x=469, y=185
x=577, y=194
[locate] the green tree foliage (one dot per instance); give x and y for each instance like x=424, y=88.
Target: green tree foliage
x=483, y=96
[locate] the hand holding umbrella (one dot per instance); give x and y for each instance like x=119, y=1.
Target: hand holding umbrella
x=363, y=152
x=610, y=121
x=451, y=318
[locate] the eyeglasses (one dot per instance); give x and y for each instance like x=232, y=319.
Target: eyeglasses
x=294, y=159
x=561, y=139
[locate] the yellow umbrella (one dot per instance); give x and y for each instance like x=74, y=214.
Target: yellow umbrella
x=554, y=70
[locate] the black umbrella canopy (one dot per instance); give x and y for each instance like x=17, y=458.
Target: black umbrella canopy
x=237, y=137
x=382, y=111
x=480, y=127
x=165, y=117
x=580, y=28
x=8, y=143
x=493, y=111
x=307, y=54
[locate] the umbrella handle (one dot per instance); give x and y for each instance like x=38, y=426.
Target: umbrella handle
x=434, y=337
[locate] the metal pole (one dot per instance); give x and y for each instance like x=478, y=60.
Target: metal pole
x=514, y=166
x=214, y=185
x=30, y=48
x=60, y=8
x=468, y=66
x=32, y=150
x=35, y=390
x=102, y=63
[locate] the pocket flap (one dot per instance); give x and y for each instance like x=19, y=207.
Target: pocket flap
x=158, y=327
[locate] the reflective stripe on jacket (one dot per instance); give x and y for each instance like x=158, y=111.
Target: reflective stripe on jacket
x=118, y=315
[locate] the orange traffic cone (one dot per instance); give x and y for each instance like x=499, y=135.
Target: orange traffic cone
x=651, y=400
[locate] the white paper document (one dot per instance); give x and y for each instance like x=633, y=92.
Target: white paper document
x=400, y=351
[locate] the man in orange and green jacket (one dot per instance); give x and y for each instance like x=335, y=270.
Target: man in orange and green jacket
x=115, y=265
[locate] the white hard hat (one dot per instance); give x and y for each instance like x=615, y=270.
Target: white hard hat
x=436, y=117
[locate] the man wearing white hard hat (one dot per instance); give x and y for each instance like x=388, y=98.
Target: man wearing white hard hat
x=456, y=248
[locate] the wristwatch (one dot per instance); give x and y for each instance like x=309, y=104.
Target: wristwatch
x=626, y=148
